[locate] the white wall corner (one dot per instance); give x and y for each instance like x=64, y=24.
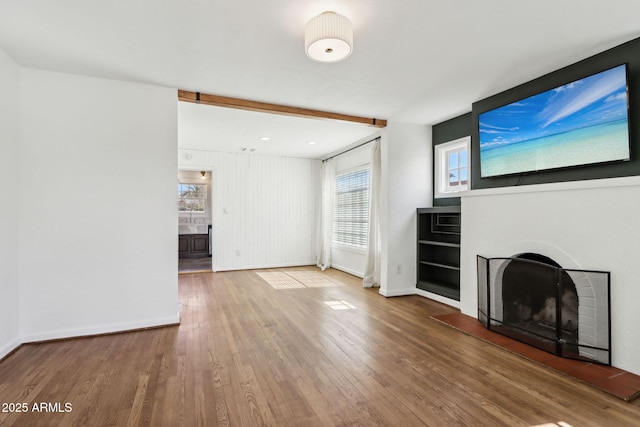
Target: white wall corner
x=9, y=214
x=407, y=185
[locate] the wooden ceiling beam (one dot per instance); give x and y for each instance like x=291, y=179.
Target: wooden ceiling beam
x=263, y=107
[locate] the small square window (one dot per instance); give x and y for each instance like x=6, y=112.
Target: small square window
x=451, y=163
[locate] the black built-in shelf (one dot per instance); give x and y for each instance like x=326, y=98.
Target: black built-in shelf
x=438, y=260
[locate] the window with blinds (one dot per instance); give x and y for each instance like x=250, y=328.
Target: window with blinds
x=351, y=209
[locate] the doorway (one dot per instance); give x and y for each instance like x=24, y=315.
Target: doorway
x=195, y=231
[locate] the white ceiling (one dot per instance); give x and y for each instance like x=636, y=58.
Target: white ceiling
x=227, y=129
x=416, y=61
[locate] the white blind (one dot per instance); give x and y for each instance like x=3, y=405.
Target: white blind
x=351, y=208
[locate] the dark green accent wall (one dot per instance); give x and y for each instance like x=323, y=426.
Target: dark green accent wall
x=467, y=124
x=452, y=129
x=628, y=53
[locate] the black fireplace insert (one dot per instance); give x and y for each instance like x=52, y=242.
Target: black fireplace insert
x=531, y=298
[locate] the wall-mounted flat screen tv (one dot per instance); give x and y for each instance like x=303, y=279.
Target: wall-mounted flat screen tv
x=580, y=123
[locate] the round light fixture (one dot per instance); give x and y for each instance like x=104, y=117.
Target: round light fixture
x=328, y=37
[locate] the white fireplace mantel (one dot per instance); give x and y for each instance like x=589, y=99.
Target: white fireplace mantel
x=591, y=225
x=627, y=181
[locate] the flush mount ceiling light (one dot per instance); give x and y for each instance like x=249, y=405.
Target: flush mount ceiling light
x=328, y=37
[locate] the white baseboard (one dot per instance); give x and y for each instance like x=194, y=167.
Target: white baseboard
x=101, y=329
x=444, y=300
x=397, y=292
x=420, y=292
x=348, y=270
x=9, y=347
x=261, y=266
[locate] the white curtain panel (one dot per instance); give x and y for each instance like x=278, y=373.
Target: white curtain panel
x=325, y=233
x=372, y=267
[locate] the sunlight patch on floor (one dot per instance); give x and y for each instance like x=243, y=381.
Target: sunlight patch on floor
x=340, y=305
x=313, y=279
x=279, y=280
x=293, y=279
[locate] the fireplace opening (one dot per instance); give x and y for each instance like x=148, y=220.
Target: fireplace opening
x=531, y=298
x=532, y=294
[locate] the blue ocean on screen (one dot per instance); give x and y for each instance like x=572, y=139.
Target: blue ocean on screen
x=579, y=123
x=594, y=144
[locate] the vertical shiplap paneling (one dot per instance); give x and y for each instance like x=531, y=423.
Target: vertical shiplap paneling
x=282, y=240
x=221, y=218
x=241, y=217
x=299, y=213
x=254, y=218
x=270, y=204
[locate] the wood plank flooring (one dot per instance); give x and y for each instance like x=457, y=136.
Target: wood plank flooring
x=289, y=350
x=190, y=265
x=617, y=382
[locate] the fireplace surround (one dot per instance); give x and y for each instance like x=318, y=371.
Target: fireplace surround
x=581, y=225
x=531, y=298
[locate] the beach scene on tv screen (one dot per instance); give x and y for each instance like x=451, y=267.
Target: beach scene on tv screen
x=582, y=122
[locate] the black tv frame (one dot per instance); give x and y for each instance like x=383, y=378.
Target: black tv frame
x=625, y=53
x=626, y=80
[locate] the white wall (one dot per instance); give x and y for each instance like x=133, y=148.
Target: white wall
x=98, y=244
x=351, y=260
x=264, y=208
x=9, y=220
x=406, y=186
x=588, y=225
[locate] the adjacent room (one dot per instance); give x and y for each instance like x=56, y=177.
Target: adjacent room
x=319, y=213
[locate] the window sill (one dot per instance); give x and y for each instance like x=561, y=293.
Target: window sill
x=450, y=194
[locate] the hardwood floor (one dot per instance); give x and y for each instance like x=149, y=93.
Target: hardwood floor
x=295, y=347
x=190, y=265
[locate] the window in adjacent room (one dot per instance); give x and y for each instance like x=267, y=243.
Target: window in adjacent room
x=192, y=197
x=351, y=208
x=452, y=167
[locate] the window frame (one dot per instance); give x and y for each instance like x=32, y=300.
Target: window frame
x=342, y=244
x=202, y=198
x=441, y=186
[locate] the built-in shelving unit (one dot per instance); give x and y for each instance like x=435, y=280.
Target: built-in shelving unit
x=438, y=261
